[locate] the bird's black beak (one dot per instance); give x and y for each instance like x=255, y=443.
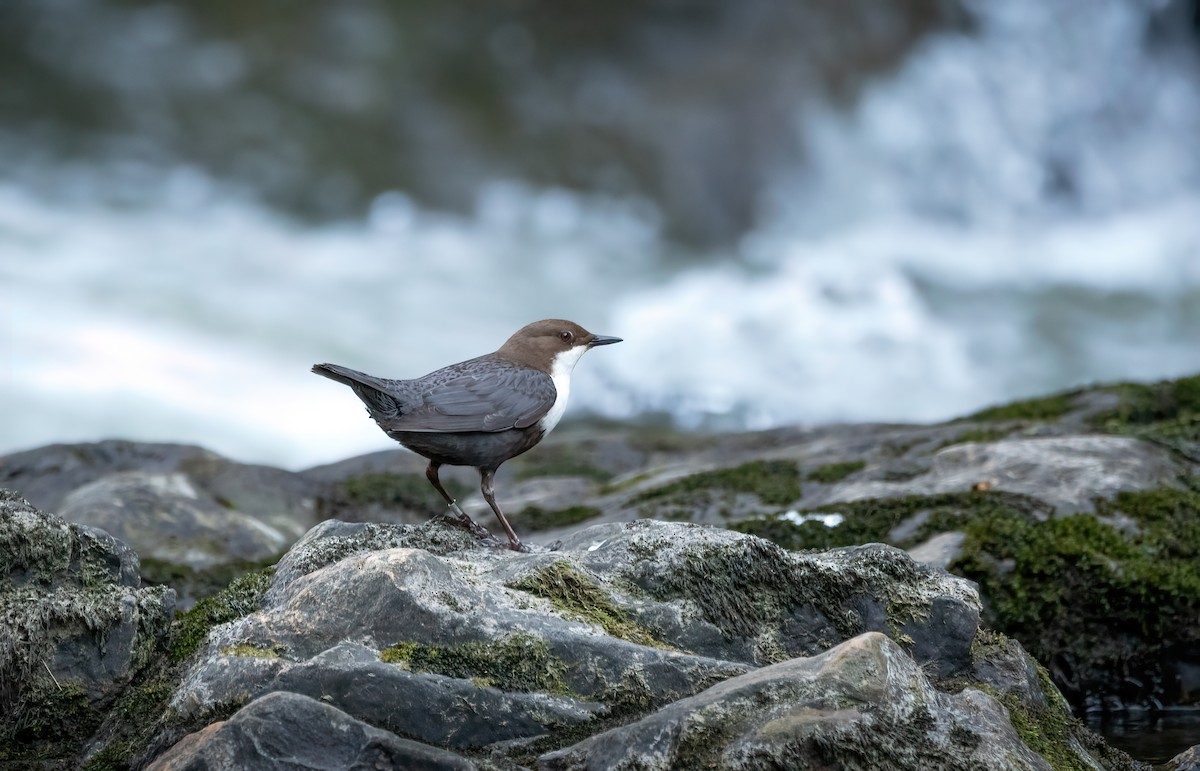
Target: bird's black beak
x=602, y=340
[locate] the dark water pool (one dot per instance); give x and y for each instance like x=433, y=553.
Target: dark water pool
x=1150, y=738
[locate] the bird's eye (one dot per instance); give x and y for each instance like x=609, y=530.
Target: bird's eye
x=566, y=335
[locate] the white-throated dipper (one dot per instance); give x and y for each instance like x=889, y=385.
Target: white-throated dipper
x=482, y=411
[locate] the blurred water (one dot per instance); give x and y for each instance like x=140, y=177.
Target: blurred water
x=1153, y=740
x=1014, y=209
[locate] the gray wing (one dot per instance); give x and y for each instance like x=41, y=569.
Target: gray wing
x=478, y=395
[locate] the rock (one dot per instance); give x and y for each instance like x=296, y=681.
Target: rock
x=195, y=518
x=1188, y=760
x=47, y=475
x=721, y=594
x=1065, y=472
x=938, y=551
x=381, y=462
x=463, y=650
x=417, y=631
x=864, y=704
x=164, y=517
x=282, y=731
x=74, y=626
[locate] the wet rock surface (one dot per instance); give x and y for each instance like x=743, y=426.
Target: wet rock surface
x=284, y=730
x=75, y=626
x=626, y=633
x=850, y=707
x=633, y=620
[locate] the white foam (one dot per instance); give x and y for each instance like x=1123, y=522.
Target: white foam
x=1010, y=212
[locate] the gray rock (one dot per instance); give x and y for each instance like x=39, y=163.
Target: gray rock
x=1188, y=760
x=178, y=503
x=939, y=550
x=284, y=731
x=471, y=648
x=381, y=462
x=74, y=624
x=864, y=704
x=740, y=598
x=164, y=516
x=1066, y=472
x=46, y=475
x=327, y=629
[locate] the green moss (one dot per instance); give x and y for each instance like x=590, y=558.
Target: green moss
x=775, y=482
x=1041, y=409
x=835, y=472
x=625, y=702
x=137, y=713
x=1113, y=603
x=190, y=584
x=537, y=518
x=1068, y=588
x=407, y=491
x=559, y=462
x=1166, y=412
x=517, y=663
x=50, y=720
x=746, y=586
x=871, y=520
x=450, y=601
x=251, y=650
x=1049, y=729
x=576, y=596
x=239, y=599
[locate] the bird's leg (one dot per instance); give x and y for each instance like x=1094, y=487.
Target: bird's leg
x=460, y=518
x=486, y=477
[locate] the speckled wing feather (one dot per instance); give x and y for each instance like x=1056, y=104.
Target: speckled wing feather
x=484, y=394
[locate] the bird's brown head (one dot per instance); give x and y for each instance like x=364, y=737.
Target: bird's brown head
x=543, y=343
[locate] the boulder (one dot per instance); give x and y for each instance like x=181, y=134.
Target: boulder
x=1188, y=760
x=864, y=704
x=1066, y=472
x=195, y=518
x=420, y=632
x=166, y=517
x=75, y=626
x=286, y=731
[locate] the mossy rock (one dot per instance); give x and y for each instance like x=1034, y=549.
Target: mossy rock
x=872, y=520
x=192, y=584
x=1107, y=606
x=578, y=597
x=240, y=598
x=519, y=663
x=831, y=473
x=1101, y=603
x=1042, y=408
x=1167, y=413
x=411, y=492
x=537, y=518
x=559, y=462
x=134, y=717
x=53, y=720
x=774, y=482
x=1041, y=717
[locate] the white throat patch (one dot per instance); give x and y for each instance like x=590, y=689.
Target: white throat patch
x=560, y=373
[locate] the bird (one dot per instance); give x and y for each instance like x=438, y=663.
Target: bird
x=480, y=412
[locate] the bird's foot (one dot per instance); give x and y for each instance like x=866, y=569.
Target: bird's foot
x=459, y=518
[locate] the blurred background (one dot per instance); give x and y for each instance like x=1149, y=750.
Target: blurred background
x=835, y=210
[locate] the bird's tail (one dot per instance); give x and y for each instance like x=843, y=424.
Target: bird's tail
x=372, y=390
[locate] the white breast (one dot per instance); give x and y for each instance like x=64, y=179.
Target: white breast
x=560, y=373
